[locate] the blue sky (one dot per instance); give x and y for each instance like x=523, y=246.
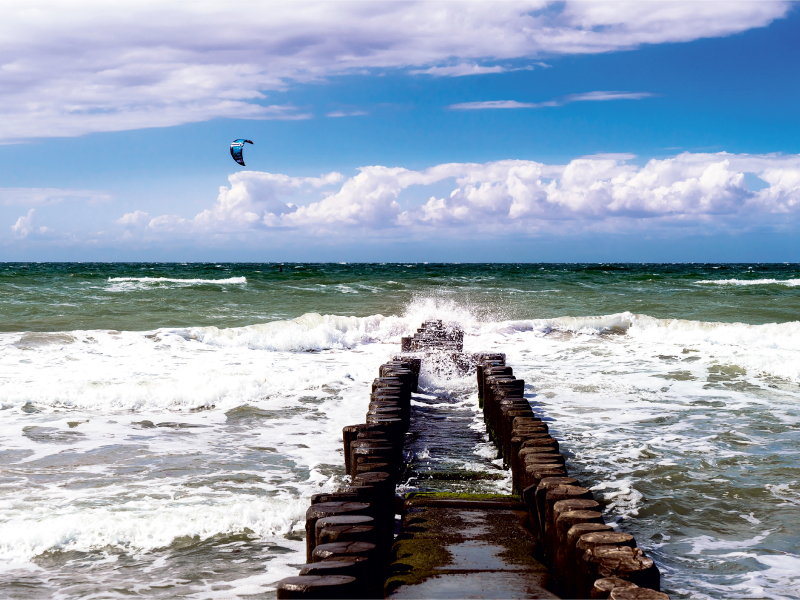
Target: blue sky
x=644, y=132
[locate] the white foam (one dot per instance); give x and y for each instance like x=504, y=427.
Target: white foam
x=705, y=543
x=304, y=401
x=772, y=348
x=179, y=368
x=780, y=581
x=311, y=331
x=186, y=281
x=631, y=395
x=786, y=282
x=144, y=524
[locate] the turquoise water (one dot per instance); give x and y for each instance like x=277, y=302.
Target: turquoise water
x=162, y=426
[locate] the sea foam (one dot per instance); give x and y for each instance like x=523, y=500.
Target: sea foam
x=203, y=366
x=185, y=281
x=786, y=282
x=144, y=524
x=145, y=438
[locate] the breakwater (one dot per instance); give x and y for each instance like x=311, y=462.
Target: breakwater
x=547, y=540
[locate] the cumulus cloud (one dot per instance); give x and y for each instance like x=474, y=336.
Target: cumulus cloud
x=254, y=199
x=688, y=190
x=86, y=66
x=135, y=218
x=24, y=224
x=585, y=97
x=44, y=196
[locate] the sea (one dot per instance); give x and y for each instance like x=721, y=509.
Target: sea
x=163, y=426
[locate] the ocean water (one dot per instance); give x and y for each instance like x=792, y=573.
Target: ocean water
x=162, y=426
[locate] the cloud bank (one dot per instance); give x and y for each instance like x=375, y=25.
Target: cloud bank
x=694, y=192
x=88, y=66
x=46, y=196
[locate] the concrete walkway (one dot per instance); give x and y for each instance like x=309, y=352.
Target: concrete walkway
x=462, y=546
x=457, y=542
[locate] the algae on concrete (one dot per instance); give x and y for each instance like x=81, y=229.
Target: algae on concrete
x=461, y=496
x=414, y=559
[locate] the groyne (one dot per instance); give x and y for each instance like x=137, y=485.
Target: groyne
x=548, y=539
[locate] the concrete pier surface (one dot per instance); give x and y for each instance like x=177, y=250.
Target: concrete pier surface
x=466, y=546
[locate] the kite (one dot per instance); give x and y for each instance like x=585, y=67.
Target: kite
x=236, y=150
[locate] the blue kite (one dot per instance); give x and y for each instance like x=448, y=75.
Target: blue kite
x=236, y=150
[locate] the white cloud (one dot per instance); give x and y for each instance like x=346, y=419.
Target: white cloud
x=463, y=69
x=492, y=104
x=43, y=196
x=603, y=96
x=253, y=200
x=688, y=190
x=460, y=70
x=135, y=218
x=585, y=97
x=168, y=223
x=24, y=225
x=344, y=113
x=70, y=68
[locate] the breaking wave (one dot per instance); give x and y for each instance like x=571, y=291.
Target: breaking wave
x=786, y=282
x=157, y=280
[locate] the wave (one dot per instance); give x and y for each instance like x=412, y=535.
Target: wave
x=185, y=368
x=786, y=282
x=229, y=280
x=770, y=348
x=146, y=524
x=311, y=331
x=769, y=335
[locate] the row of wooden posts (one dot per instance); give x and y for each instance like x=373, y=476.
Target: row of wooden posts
x=349, y=533
x=586, y=557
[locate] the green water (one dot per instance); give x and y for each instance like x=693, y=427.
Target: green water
x=70, y=296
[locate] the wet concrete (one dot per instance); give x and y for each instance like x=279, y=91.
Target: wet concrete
x=460, y=538
x=481, y=550
x=440, y=448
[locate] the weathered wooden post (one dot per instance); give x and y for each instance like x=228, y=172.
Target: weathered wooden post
x=317, y=586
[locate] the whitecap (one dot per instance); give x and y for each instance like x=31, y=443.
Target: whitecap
x=786, y=282
x=158, y=280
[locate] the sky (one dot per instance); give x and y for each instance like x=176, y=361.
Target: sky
x=400, y=131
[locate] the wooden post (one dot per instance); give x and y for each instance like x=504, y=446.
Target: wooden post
x=574, y=556
x=586, y=572
x=328, y=509
x=602, y=587
x=553, y=495
x=317, y=586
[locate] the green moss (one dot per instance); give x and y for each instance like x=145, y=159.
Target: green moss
x=495, y=439
x=458, y=475
x=415, y=561
x=456, y=496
